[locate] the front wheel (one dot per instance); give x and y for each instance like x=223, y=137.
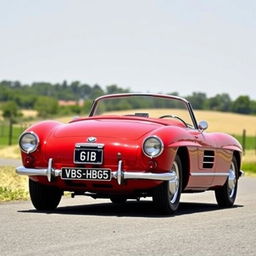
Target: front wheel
x=226, y=194
x=167, y=195
x=44, y=198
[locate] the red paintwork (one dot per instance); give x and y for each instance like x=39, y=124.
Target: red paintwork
x=125, y=135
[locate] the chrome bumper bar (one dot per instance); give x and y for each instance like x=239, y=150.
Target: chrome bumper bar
x=241, y=173
x=119, y=175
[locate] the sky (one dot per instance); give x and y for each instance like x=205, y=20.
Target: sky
x=158, y=46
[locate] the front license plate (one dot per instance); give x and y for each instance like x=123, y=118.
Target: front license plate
x=68, y=173
x=88, y=156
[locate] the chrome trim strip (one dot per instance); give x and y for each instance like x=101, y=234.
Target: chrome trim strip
x=206, y=174
x=149, y=176
x=89, y=145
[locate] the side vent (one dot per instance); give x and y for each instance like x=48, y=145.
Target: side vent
x=208, y=160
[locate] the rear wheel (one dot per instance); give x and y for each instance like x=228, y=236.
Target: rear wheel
x=226, y=194
x=44, y=198
x=167, y=195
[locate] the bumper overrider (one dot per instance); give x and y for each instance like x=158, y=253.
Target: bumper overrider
x=119, y=175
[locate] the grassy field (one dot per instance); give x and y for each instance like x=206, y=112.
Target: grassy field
x=17, y=128
x=250, y=141
x=4, y=134
x=218, y=121
x=12, y=186
x=25, y=113
x=230, y=123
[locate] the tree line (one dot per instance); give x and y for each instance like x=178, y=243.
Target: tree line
x=44, y=98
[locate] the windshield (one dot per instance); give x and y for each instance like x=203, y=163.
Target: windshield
x=148, y=106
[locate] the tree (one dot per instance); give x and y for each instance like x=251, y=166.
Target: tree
x=96, y=91
x=253, y=106
x=112, y=89
x=87, y=106
x=242, y=105
x=75, y=88
x=220, y=102
x=198, y=100
x=10, y=110
x=46, y=106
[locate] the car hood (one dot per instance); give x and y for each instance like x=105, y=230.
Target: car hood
x=114, y=128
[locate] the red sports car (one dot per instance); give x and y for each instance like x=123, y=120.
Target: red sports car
x=130, y=146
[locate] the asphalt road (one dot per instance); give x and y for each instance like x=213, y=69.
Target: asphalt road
x=10, y=162
x=84, y=226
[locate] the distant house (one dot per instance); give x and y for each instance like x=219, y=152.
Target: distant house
x=71, y=103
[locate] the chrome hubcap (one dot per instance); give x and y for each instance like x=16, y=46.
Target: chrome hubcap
x=174, y=183
x=232, y=180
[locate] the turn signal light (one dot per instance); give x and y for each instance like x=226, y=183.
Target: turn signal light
x=152, y=164
x=29, y=161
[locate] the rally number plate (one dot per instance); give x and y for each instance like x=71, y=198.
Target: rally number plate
x=88, y=156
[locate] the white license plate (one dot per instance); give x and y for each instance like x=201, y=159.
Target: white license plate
x=68, y=173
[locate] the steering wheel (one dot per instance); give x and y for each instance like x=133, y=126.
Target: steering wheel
x=174, y=116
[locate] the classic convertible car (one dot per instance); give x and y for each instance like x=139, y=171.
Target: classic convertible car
x=130, y=146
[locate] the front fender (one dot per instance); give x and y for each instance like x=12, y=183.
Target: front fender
x=43, y=130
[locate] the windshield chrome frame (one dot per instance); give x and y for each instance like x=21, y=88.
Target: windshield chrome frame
x=123, y=95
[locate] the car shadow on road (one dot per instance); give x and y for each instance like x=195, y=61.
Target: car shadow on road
x=144, y=209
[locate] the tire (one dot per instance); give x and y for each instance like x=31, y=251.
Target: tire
x=118, y=199
x=226, y=195
x=44, y=198
x=167, y=196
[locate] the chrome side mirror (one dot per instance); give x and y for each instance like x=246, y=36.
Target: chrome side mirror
x=203, y=125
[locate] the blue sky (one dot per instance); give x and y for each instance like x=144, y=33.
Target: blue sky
x=147, y=46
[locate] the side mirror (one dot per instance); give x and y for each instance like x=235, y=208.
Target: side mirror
x=203, y=125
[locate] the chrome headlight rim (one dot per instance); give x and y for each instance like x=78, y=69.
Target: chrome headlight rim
x=161, y=144
x=36, y=142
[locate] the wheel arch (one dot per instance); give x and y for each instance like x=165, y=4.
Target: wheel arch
x=237, y=156
x=182, y=152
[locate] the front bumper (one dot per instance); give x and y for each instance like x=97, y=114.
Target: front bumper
x=119, y=175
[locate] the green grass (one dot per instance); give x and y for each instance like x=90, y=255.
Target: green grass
x=7, y=194
x=249, y=167
x=12, y=186
x=250, y=141
x=4, y=134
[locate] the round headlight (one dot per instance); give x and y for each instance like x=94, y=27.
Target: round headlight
x=153, y=146
x=28, y=142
